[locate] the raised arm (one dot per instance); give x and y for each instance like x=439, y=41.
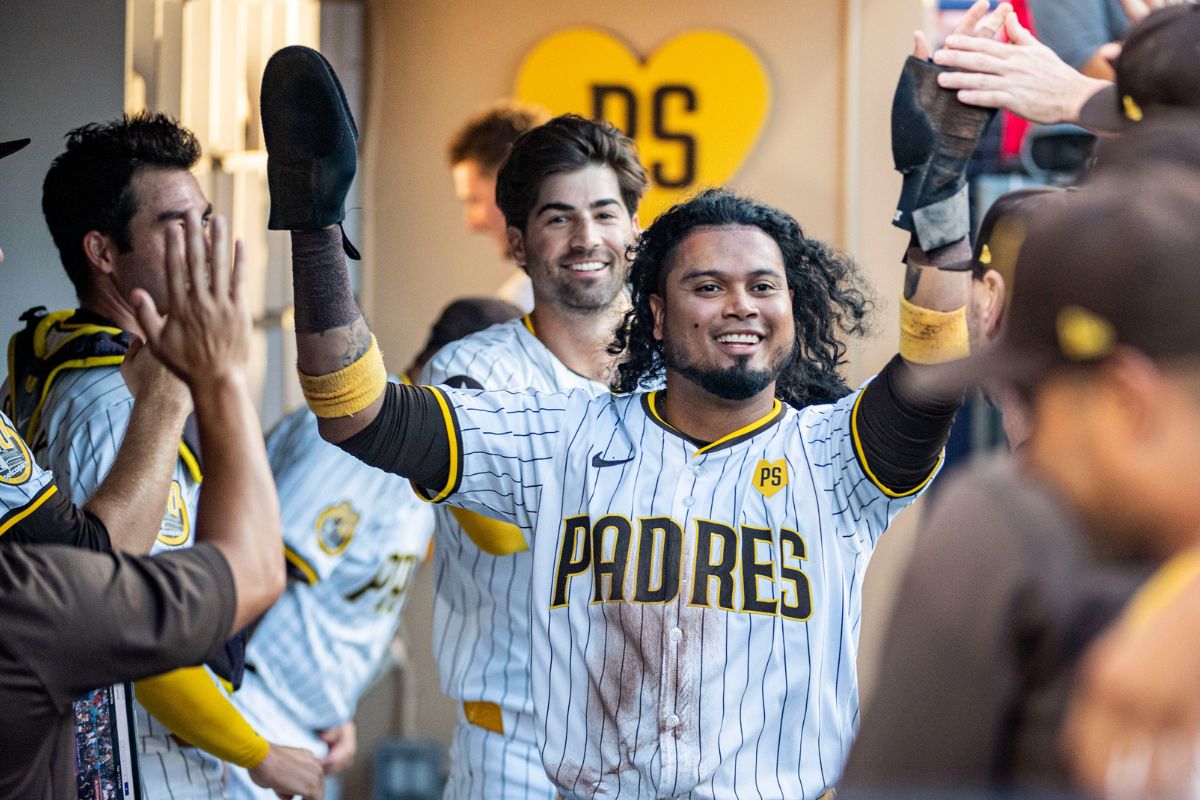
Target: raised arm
x=129, y=501
x=205, y=340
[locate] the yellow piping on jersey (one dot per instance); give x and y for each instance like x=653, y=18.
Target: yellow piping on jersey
x=297, y=561
x=1167, y=583
x=37, y=502
x=455, y=456
x=764, y=420
x=79, y=363
x=490, y=535
x=191, y=462
x=527, y=321
x=862, y=458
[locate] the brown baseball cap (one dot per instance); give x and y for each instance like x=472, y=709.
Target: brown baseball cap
x=8, y=148
x=1159, y=66
x=1115, y=266
x=1003, y=229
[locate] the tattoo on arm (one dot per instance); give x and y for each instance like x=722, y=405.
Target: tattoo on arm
x=349, y=342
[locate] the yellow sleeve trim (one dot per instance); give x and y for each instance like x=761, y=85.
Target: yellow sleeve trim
x=295, y=559
x=349, y=390
x=190, y=704
x=455, y=456
x=1164, y=586
x=933, y=337
x=29, y=509
x=862, y=458
x=192, y=464
x=490, y=535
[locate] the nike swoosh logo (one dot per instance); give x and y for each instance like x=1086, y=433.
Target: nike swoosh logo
x=599, y=462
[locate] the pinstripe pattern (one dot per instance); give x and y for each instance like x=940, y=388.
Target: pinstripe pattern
x=658, y=697
x=82, y=424
x=320, y=645
x=481, y=619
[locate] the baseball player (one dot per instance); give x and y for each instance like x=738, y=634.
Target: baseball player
x=75, y=619
x=483, y=569
x=475, y=154
x=698, y=551
x=353, y=546
x=72, y=404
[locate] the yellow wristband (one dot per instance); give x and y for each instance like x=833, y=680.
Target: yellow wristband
x=1163, y=586
x=349, y=390
x=933, y=337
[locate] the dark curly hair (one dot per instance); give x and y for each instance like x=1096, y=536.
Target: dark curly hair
x=89, y=187
x=829, y=297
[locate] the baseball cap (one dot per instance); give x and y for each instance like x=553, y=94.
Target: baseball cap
x=1159, y=66
x=1171, y=136
x=1115, y=266
x=8, y=148
x=1003, y=228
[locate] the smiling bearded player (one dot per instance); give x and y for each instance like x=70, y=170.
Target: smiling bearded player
x=698, y=551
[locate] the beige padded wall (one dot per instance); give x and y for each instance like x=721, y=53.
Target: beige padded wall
x=824, y=156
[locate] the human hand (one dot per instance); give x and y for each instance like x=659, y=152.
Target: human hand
x=976, y=22
x=205, y=334
x=1021, y=75
x=149, y=379
x=290, y=772
x=343, y=744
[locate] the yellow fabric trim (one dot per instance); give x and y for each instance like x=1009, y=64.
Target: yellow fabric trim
x=297, y=561
x=862, y=459
x=933, y=337
x=448, y=419
x=194, y=708
x=78, y=363
x=349, y=390
x=189, y=460
x=29, y=509
x=776, y=405
x=528, y=322
x=1163, y=586
x=484, y=715
x=490, y=535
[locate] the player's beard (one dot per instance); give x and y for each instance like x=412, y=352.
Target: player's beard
x=738, y=382
x=576, y=296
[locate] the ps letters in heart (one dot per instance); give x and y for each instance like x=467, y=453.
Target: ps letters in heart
x=695, y=106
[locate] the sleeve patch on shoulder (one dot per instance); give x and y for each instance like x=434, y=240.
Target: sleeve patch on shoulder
x=16, y=465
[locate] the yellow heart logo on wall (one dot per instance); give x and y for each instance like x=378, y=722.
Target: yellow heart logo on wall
x=695, y=107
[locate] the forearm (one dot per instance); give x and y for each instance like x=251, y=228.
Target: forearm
x=190, y=705
x=131, y=499
x=331, y=334
x=933, y=319
x=239, y=510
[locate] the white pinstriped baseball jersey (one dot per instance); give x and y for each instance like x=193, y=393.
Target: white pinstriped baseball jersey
x=695, y=609
x=79, y=429
x=481, y=607
x=482, y=575
x=23, y=484
x=357, y=534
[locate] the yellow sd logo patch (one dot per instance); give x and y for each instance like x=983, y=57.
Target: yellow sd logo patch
x=770, y=476
x=15, y=464
x=335, y=527
x=176, y=526
x=695, y=107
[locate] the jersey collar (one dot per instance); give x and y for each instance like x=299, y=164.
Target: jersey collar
x=651, y=402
